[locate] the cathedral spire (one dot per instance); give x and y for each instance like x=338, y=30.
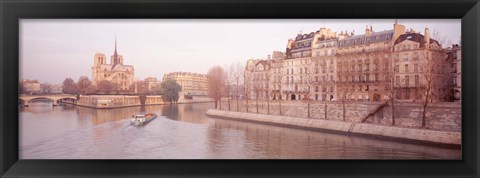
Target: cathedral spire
x=115, y=45
x=115, y=54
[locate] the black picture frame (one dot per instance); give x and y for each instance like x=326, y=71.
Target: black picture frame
x=11, y=11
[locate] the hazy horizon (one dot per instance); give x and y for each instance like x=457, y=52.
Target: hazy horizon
x=52, y=50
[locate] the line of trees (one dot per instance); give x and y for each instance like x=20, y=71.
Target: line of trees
x=225, y=82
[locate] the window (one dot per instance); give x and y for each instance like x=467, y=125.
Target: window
x=396, y=68
x=407, y=81
x=376, y=78
x=367, y=77
x=407, y=93
x=397, y=80
x=415, y=67
x=417, y=80
x=406, y=68
x=301, y=70
x=367, y=67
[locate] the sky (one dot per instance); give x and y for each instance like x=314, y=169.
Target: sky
x=54, y=49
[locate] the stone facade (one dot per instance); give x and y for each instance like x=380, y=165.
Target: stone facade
x=31, y=86
x=325, y=66
x=411, y=55
x=192, y=83
x=122, y=76
x=455, y=56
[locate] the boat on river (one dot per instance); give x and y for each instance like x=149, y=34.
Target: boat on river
x=140, y=119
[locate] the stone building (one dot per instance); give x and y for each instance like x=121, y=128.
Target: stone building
x=411, y=54
x=31, y=86
x=455, y=56
x=151, y=83
x=258, y=78
x=193, y=84
x=363, y=62
x=322, y=65
x=120, y=75
x=309, y=68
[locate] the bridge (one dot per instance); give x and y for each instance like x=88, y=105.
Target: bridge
x=24, y=100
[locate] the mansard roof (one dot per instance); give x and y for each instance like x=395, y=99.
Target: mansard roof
x=375, y=37
x=415, y=37
x=351, y=41
x=301, y=37
x=379, y=37
x=263, y=62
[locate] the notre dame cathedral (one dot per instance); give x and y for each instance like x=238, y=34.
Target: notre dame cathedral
x=122, y=76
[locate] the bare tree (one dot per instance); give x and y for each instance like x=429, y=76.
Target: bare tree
x=436, y=72
x=436, y=80
x=247, y=83
x=105, y=86
x=345, y=92
x=309, y=81
x=279, y=79
x=83, y=84
x=267, y=91
x=216, y=83
x=388, y=82
x=239, y=71
x=256, y=89
x=229, y=80
x=69, y=86
x=46, y=88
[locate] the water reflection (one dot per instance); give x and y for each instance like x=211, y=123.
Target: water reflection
x=182, y=131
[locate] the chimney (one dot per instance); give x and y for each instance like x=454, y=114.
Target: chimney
x=398, y=30
x=427, y=37
x=367, y=31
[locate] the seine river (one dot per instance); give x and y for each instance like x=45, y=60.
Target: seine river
x=183, y=132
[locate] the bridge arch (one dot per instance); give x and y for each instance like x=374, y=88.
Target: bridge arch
x=67, y=100
x=25, y=99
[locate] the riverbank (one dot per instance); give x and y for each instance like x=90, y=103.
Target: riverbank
x=450, y=139
x=122, y=101
x=132, y=105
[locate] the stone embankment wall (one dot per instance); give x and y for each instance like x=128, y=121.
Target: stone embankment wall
x=439, y=116
x=452, y=139
x=118, y=101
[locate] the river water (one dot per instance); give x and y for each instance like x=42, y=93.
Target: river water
x=183, y=132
